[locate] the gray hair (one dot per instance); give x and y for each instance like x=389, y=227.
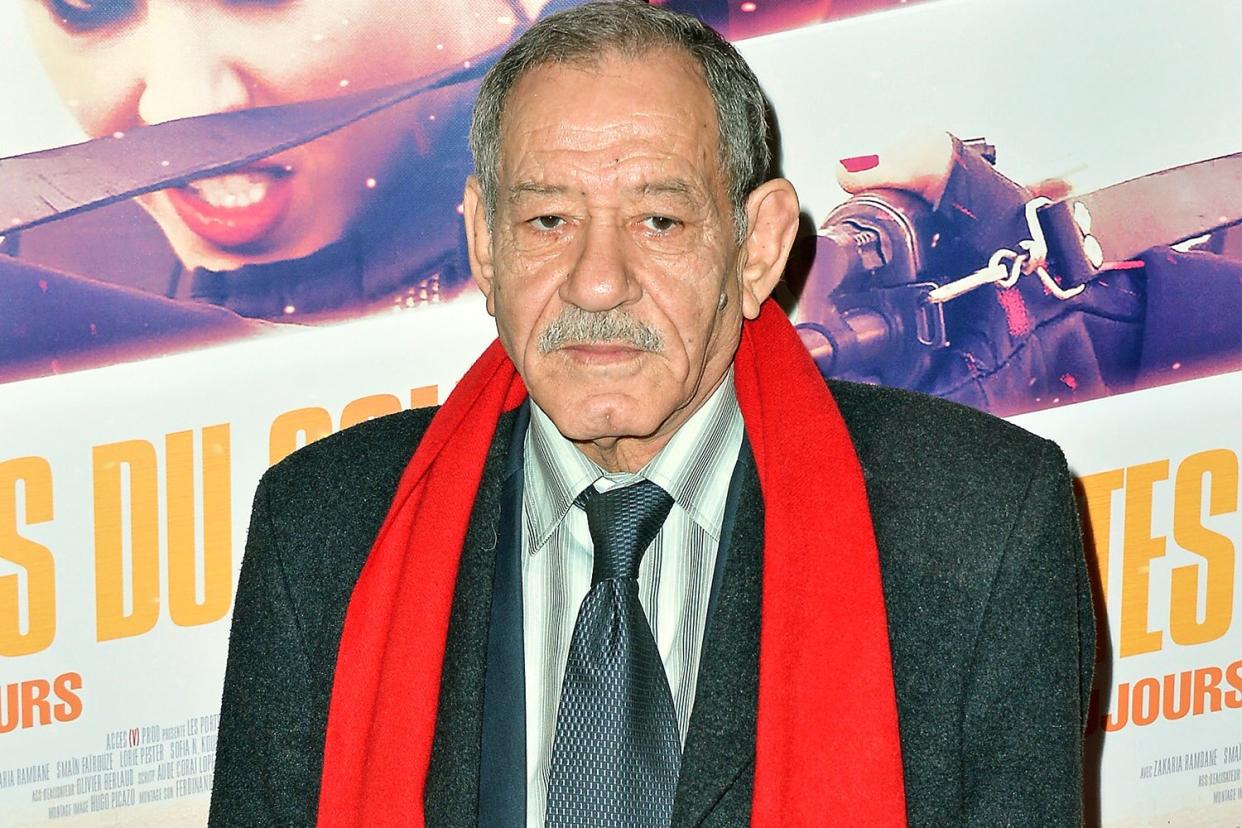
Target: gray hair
x=632, y=28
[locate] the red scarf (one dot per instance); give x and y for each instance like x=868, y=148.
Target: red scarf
x=827, y=747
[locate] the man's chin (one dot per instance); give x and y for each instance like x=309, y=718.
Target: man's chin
x=595, y=420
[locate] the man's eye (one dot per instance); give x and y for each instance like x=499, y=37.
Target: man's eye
x=546, y=222
x=89, y=15
x=660, y=224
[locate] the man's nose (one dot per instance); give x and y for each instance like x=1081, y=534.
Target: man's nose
x=601, y=278
x=187, y=73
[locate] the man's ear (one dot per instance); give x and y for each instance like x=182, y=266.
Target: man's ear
x=479, y=241
x=771, y=224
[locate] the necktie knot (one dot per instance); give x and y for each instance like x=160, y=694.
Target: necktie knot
x=623, y=523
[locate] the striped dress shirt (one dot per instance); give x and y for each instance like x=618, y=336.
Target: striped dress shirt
x=674, y=580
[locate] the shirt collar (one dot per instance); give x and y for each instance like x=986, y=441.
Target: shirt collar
x=696, y=464
x=556, y=473
x=695, y=467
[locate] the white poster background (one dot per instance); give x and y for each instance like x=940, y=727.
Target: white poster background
x=173, y=674
x=1171, y=423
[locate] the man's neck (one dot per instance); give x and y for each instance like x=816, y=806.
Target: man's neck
x=624, y=454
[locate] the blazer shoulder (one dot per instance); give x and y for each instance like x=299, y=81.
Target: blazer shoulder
x=364, y=436
x=353, y=462
x=906, y=431
x=317, y=513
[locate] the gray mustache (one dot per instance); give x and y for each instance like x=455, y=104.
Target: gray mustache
x=576, y=326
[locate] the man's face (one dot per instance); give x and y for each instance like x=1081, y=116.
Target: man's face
x=119, y=64
x=612, y=210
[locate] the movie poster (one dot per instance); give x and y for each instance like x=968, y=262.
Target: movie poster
x=178, y=313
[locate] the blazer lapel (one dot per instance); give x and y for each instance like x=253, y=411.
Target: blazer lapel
x=502, y=766
x=717, y=765
x=451, y=795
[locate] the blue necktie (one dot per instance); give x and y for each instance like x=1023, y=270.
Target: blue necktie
x=617, y=749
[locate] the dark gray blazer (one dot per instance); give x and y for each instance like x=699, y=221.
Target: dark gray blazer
x=989, y=613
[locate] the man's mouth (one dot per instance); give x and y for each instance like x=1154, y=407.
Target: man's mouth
x=601, y=353
x=236, y=209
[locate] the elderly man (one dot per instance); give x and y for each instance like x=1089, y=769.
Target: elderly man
x=644, y=567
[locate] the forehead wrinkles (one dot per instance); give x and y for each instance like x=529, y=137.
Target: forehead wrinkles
x=595, y=118
x=596, y=164
x=632, y=173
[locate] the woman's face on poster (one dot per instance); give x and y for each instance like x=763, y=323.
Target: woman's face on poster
x=119, y=64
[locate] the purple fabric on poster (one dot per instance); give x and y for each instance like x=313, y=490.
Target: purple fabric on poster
x=127, y=323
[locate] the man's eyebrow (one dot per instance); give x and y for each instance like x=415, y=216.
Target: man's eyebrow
x=533, y=188
x=669, y=186
x=678, y=187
